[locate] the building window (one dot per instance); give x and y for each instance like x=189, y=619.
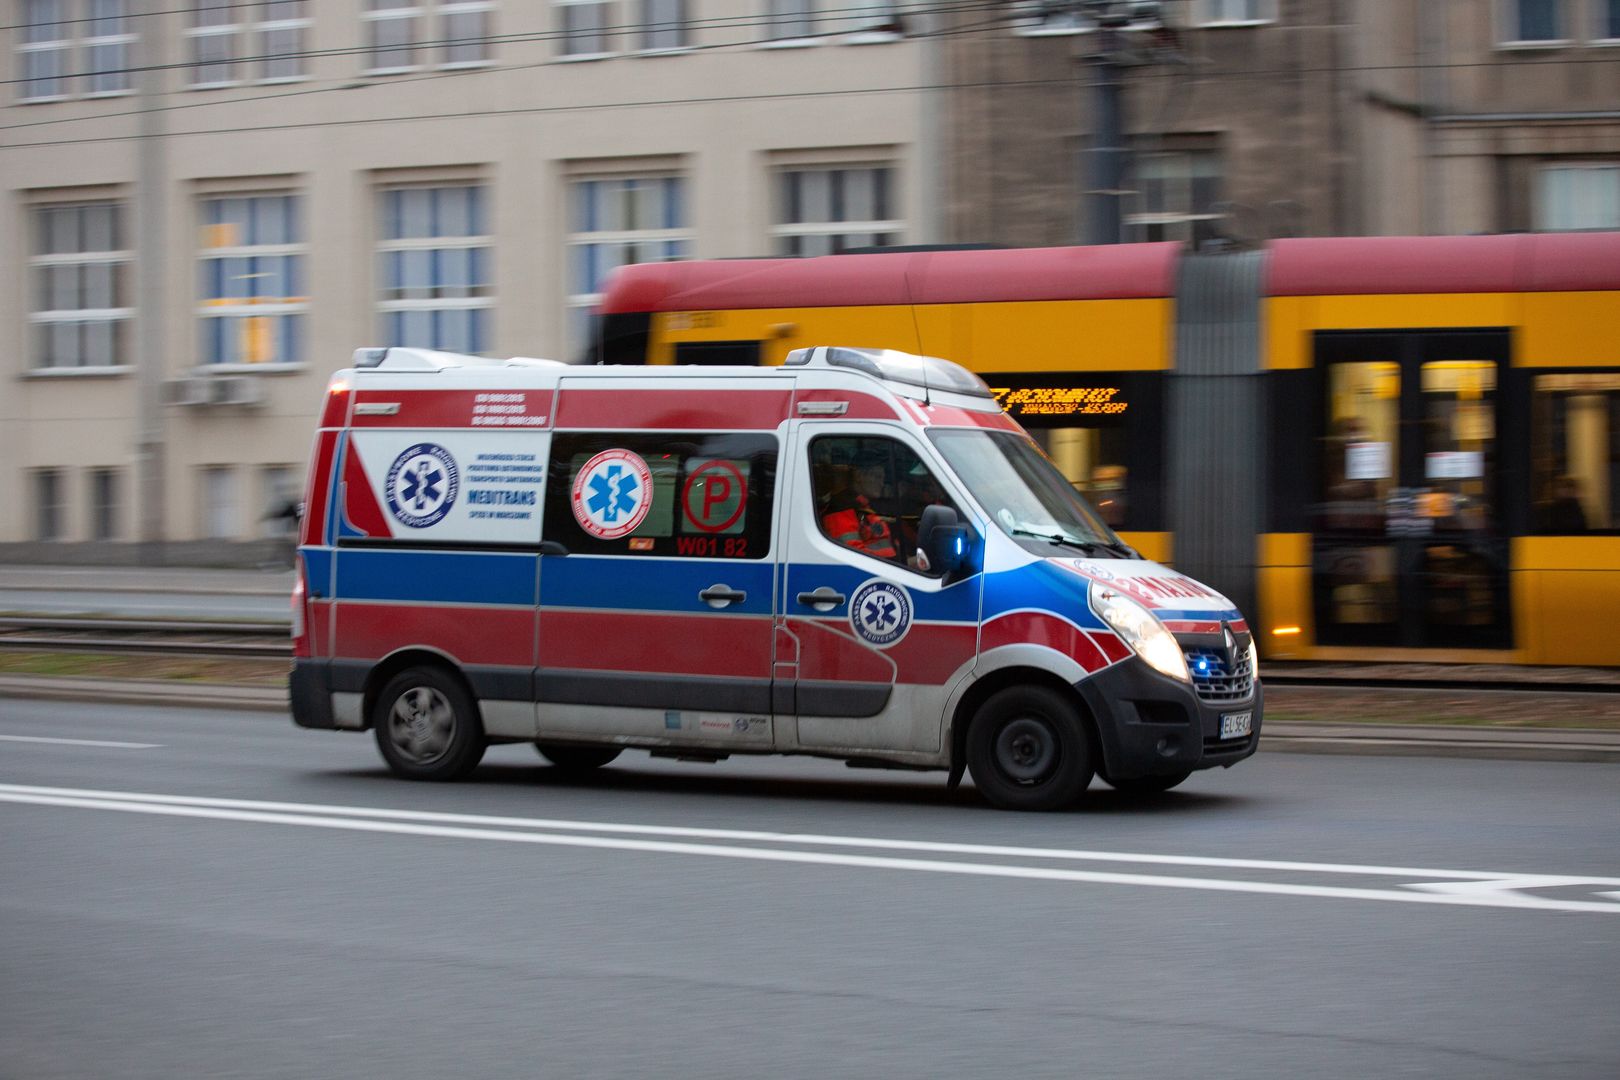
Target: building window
x=219, y=513
x=663, y=25
x=825, y=211
x=1579, y=196
x=615, y=221
x=1176, y=193
x=1037, y=18
x=1235, y=12
x=402, y=35
x=104, y=504
x=464, y=32
x=434, y=265
x=1576, y=452
x=251, y=300
x=82, y=306
x=583, y=26
x=49, y=504
x=214, y=35
x=1608, y=15
x=51, y=30
x=1533, y=21
x=278, y=39
x=789, y=20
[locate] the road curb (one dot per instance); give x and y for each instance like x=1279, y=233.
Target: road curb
x=1379, y=740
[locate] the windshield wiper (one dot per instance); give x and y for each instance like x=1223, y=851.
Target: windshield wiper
x=1087, y=546
x=1090, y=547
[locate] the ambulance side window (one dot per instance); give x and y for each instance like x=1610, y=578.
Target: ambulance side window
x=870, y=493
x=700, y=496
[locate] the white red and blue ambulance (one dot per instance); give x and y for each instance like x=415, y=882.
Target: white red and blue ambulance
x=591, y=559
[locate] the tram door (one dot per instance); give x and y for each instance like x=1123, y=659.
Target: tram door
x=1409, y=547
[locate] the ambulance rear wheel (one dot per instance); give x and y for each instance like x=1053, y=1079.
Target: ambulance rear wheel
x=427, y=726
x=1027, y=749
x=578, y=759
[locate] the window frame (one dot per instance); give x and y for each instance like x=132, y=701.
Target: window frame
x=1534, y=524
x=105, y=517
x=114, y=258
x=761, y=449
x=481, y=332
x=605, y=8
x=50, y=516
x=784, y=232
x=231, y=308
x=942, y=480
x=778, y=22
x=1266, y=13
x=681, y=27
x=1541, y=176
x=1509, y=22
x=682, y=233
x=1606, y=13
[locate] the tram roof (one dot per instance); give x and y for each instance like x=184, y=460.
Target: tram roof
x=1368, y=265
x=1317, y=266
x=1120, y=272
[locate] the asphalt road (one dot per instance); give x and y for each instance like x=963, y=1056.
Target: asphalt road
x=1296, y=915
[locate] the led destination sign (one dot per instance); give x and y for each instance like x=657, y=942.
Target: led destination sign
x=1061, y=400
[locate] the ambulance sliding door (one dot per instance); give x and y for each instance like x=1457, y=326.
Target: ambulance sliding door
x=657, y=624
x=437, y=534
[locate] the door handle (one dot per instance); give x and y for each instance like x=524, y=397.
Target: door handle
x=823, y=599
x=719, y=596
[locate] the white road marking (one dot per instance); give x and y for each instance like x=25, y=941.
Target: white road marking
x=1470, y=888
x=81, y=742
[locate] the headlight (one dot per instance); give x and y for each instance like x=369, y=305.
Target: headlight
x=1254, y=658
x=1142, y=631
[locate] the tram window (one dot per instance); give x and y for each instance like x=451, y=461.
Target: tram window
x=1576, y=452
x=1093, y=459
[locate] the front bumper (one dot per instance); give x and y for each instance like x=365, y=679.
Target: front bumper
x=1151, y=725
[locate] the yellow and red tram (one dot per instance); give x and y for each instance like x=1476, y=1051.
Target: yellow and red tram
x=1387, y=447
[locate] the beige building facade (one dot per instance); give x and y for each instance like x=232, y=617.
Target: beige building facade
x=208, y=206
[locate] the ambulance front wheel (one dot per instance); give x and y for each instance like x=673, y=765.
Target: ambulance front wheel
x=1146, y=785
x=1027, y=749
x=427, y=726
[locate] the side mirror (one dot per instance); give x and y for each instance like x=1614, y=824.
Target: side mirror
x=944, y=539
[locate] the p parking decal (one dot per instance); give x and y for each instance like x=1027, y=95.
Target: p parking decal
x=422, y=485
x=880, y=613
x=612, y=494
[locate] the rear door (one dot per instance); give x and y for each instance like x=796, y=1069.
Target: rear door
x=871, y=643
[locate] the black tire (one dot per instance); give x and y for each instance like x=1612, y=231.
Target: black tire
x=1027, y=749
x=578, y=759
x=427, y=726
x=1146, y=785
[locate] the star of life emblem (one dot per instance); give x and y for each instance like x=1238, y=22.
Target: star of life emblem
x=880, y=613
x=612, y=494
x=421, y=485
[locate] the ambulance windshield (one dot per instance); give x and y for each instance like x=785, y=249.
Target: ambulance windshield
x=1025, y=493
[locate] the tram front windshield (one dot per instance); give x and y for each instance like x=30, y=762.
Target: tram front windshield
x=1024, y=492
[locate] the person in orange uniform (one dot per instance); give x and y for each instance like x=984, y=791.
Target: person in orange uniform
x=848, y=516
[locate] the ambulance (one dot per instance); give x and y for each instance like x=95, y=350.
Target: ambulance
x=856, y=555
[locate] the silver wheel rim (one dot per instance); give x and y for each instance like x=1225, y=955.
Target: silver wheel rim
x=421, y=724
x=1026, y=750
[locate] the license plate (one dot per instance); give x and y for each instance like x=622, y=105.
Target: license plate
x=1235, y=725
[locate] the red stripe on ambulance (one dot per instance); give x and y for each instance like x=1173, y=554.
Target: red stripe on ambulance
x=1042, y=628
x=737, y=646
x=673, y=410
x=470, y=634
